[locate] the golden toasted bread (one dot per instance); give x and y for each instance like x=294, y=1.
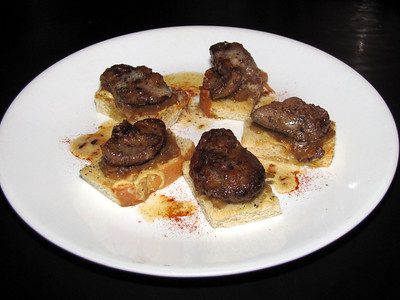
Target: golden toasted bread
x=221, y=214
x=229, y=108
x=266, y=146
x=137, y=186
x=169, y=112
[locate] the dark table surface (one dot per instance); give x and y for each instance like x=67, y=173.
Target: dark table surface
x=363, y=34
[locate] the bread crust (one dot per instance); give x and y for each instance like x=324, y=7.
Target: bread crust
x=105, y=104
x=138, y=186
x=265, y=205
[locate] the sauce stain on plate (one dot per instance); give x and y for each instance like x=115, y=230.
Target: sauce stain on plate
x=164, y=207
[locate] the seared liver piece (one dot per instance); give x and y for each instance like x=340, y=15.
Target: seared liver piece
x=221, y=168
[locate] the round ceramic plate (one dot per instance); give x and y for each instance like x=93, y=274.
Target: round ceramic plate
x=40, y=177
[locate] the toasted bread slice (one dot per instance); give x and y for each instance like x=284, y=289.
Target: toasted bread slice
x=221, y=214
x=230, y=108
x=264, y=144
x=105, y=104
x=137, y=187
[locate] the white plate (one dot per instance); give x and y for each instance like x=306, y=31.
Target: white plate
x=40, y=177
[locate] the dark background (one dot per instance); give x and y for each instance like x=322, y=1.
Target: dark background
x=363, y=34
